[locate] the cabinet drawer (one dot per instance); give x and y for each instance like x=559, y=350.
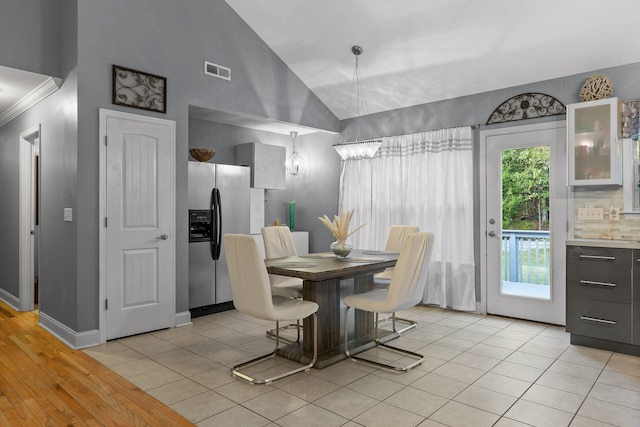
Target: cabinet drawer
x=605, y=257
x=597, y=282
x=599, y=319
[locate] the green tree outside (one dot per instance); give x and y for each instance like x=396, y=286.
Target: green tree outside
x=525, y=188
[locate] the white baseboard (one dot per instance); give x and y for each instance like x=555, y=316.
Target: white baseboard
x=10, y=300
x=73, y=339
x=183, y=319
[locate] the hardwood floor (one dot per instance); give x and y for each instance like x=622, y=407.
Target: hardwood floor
x=44, y=382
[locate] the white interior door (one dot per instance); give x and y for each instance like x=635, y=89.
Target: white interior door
x=139, y=224
x=525, y=258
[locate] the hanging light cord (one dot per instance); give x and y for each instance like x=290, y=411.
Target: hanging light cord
x=356, y=90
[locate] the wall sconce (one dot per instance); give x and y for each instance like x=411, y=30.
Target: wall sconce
x=295, y=162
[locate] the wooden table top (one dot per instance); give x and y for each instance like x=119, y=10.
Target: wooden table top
x=325, y=265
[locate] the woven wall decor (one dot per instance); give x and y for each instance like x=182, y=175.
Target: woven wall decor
x=595, y=87
x=526, y=106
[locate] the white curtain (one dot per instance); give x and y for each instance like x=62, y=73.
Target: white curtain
x=422, y=179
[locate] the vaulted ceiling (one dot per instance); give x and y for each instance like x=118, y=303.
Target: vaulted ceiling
x=420, y=51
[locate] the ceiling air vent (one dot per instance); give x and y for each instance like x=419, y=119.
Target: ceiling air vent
x=217, y=70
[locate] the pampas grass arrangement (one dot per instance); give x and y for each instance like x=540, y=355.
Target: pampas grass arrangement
x=339, y=227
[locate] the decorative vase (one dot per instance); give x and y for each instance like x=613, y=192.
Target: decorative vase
x=292, y=214
x=341, y=248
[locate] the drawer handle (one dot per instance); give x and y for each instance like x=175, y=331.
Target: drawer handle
x=600, y=257
x=593, y=319
x=589, y=282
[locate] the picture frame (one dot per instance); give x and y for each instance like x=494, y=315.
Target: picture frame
x=137, y=89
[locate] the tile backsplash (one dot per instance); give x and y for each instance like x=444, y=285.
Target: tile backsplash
x=627, y=228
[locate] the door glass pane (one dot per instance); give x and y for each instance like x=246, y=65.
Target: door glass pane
x=526, y=248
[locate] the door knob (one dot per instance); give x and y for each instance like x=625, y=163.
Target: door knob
x=492, y=234
x=163, y=236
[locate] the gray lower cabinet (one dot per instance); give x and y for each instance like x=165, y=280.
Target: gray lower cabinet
x=636, y=297
x=603, y=297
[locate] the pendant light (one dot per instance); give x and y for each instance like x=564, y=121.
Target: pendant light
x=295, y=163
x=357, y=149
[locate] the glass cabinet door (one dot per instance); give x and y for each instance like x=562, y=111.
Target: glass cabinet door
x=592, y=141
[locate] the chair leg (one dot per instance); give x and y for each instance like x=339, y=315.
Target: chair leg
x=418, y=357
x=271, y=333
x=235, y=371
x=411, y=323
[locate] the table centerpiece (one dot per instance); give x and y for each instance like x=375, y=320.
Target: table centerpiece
x=339, y=227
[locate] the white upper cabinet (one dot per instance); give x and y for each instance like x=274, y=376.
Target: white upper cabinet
x=594, y=151
x=267, y=164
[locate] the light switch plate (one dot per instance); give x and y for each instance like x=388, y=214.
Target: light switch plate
x=597, y=214
x=583, y=214
x=591, y=214
x=68, y=214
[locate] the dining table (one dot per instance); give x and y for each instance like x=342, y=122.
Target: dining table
x=327, y=280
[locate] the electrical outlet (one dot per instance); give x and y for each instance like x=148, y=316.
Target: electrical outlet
x=614, y=213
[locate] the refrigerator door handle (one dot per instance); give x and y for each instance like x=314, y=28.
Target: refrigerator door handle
x=216, y=206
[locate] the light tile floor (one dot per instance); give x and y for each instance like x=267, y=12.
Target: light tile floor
x=479, y=371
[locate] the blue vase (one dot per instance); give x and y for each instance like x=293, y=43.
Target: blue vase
x=292, y=214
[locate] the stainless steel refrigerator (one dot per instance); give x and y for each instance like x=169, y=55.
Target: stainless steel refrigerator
x=219, y=199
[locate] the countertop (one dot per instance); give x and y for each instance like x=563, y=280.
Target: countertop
x=602, y=243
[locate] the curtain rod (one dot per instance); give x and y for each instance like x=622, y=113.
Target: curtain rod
x=476, y=126
x=364, y=141
x=379, y=139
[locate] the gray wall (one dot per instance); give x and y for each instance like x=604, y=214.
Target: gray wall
x=80, y=42
x=57, y=116
x=172, y=39
x=316, y=192
x=163, y=37
x=31, y=32
x=9, y=185
x=476, y=109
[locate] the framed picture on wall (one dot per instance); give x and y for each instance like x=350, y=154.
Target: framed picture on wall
x=137, y=89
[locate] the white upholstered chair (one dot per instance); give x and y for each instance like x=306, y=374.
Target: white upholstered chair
x=405, y=290
x=252, y=295
x=278, y=243
x=395, y=240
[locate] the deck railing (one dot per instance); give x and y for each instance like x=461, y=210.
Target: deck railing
x=526, y=256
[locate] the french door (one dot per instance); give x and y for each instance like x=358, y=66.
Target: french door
x=524, y=206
